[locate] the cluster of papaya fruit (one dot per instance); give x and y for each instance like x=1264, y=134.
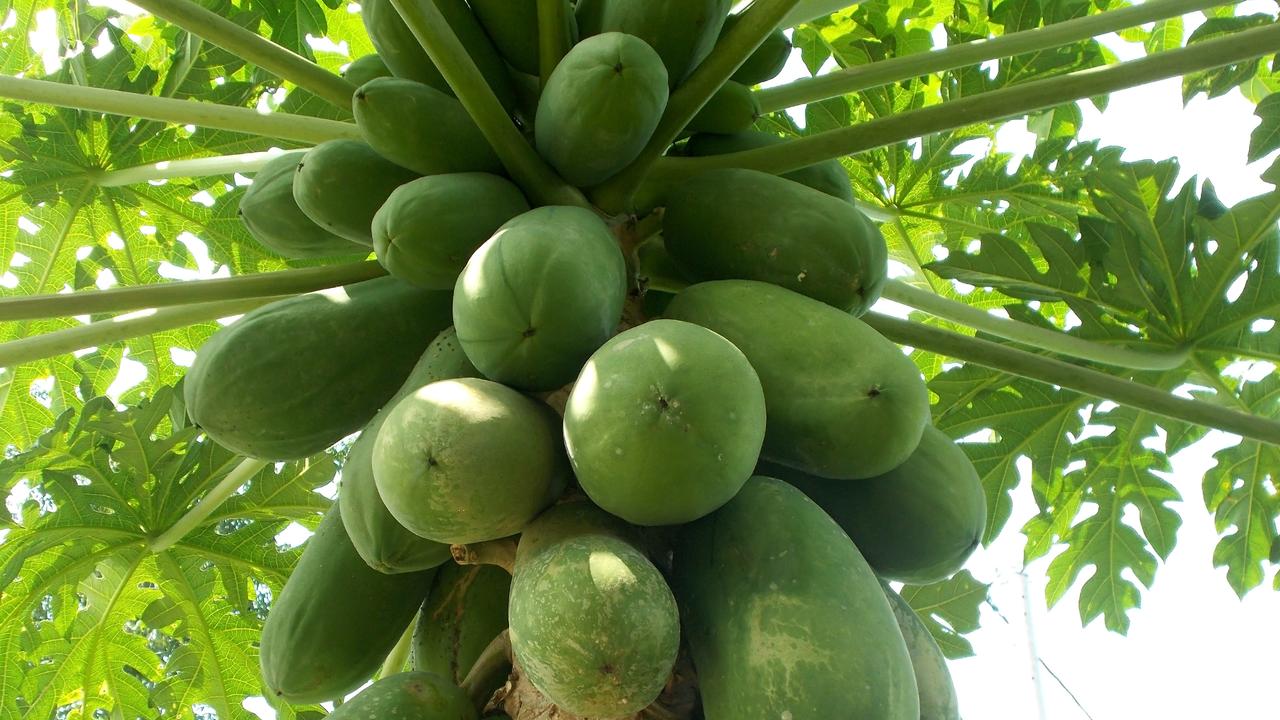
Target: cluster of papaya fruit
x=719, y=486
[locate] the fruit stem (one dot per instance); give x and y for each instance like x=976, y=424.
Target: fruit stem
x=554, y=40
x=1121, y=390
x=1051, y=340
x=61, y=342
x=190, y=292
x=757, y=22
x=501, y=552
x=283, y=126
x=399, y=655
x=239, y=475
x=493, y=664
x=527, y=168
x=275, y=59
x=810, y=10
x=193, y=168
x=985, y=107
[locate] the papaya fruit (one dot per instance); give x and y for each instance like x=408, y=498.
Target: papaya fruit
x=340, y=184
x=275, y=220
x=468, y=460
x=665, y=423
x=842, y=401
x=681, y=31
x=291, y=378
x=335, y=621
x=418, y=127
x=400, y=50
x=599, y=107
x=935, y=688
x=411, y=696
x=767, y=61
x=594, y=626
x=428, y=228
x=917, y=523
x=385, y=544
x=783, y=617
x=732, y=109
x=512, y=25
x=749, y=225
x=540, y=296
x=828, y=176
x=465, y=610
x=569, y=519
x=365, y=68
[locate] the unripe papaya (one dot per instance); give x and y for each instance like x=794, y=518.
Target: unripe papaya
x=665, y=423
x=828, y=176
x=569, y=519
x=465, y=610
x=594, y=626
x=468, y=460
x=409, y=696
x=336, y=619
x=428, y=228
x=749, y=225
x=917, y=523
x=385, y=544
x=513, y=27
x=365, y=68
x=540, y=296
x=291, y=378
x=340, y=184
x=275, y=220
x=681, y=31
x=767, y=61
x=732, y=109
x=599, y=107
x=843, y=402
x=933, y=680
x=420, y=128
x=783, y=617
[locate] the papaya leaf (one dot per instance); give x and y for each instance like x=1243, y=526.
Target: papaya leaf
x=950, y=610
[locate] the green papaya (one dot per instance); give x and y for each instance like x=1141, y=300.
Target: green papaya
x=336, y=619
x=340, y=184
x=418, y=127
x=599, y=107
x=385, y=544
x=465, y=610
x=917, y=523
x=513, y=27
x=732, y=109
x=828, y=176
x=594, y=626
x=569, y=519
x=365, y=68
x=468, y=460
x=937, y=692
x=275, y=220
x=749, y=225
x=401, y=51
x=681, y=31
x=665, y=423
x=843, y=402
x=540, y=296
x=767, y=61
x=783, y=617
x=291, y=378
x=428, y=228
x=410, y=696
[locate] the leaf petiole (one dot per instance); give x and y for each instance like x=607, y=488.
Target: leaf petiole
x=203, y=508
x=193, y=168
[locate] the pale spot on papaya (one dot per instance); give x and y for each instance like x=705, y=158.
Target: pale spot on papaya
x=609, y=572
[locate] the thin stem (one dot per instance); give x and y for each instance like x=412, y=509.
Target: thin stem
x=1050, y=340
x=501, y=552
x=238, y=476
x=244, y=43
x=1073, y=377
x=526, y=167
x=193, y=168
x=553, y=36
x=756, y=23
x=493, y=664
x=61, y=342
x=985, y=107
x=399, y=655
x=861, y=77
x=284, y=126
x=189, y=292
x=810, y=10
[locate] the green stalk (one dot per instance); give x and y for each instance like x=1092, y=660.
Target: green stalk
x=1073, y=377
x=193, y=168
x=861, y=77
x=279, y=61
x=493, y=664
x=399, y=655
x=810, y=10
x=757, y=21
x=553, y=36
x=189, y=292
x=201, y=511
x=526, y=167
x=500, y=552
x=298, y=128
x=1051, y=340
x=986, y=107
x=61, y=342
